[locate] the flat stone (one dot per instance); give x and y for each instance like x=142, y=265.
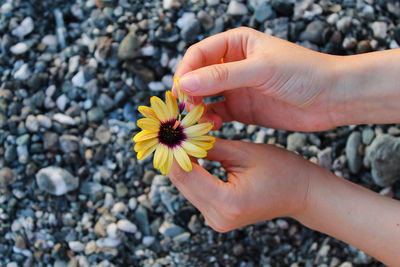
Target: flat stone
x=169, y=229
x=127, y=226
x=23, y=29
x=103, y=134
x=352, y=150
x=32, y=124
x=69, y=143
x=296, y=141
x=7, y=177
x=76, y=246
x=64, y=119
x=129, y=47
x=379, y=29
x=56, y=181
x=384, y=156
x=23, y=73
x=19, y=48
x=236, y=8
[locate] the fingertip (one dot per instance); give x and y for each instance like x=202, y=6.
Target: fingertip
x=215, y=119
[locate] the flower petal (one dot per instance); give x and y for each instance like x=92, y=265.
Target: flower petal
x=193, y=116
x=141, y=155
x=181, y=96
x=144, y=135
x=160, y=156
x=147, y=124
x=204, y=138
x=172, y=106
x=159, y=108
x=198, y=129
x=182, y=158
x=194, y=150
x=201, y=144
x=168, y=163
x=148, y=112
x=145, y=144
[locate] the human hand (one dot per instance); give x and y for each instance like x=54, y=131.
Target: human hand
x=265, y=81
x=264, y=182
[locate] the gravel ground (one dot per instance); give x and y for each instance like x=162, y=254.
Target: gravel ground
x=72, y=75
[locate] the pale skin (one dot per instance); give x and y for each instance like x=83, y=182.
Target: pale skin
x=274, y=83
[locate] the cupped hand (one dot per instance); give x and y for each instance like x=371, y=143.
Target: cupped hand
x=264, y=182
x=265, y=81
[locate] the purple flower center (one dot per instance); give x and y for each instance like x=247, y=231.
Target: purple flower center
x=169, y=135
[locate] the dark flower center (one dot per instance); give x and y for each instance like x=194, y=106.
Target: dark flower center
x=171, y=134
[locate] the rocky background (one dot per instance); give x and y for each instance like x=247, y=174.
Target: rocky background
x=72, y=75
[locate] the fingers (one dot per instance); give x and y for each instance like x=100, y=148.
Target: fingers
x=232, y=155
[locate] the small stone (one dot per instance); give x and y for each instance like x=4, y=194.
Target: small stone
x=90, y=247
x=367, y=136
x=32, y=124
x=50, y=141
x=169, y=229
x=263, y=12
x=44, y=121
x=126, y=226
x=190, y=30
x=296, y=141
x=64, y=119
x=379, y=29
x=384, y=156
x=156, y=86
x=103, y=134
x=7, y=177
x=73, y=65
x=112, y=230
x=313, y=32
x=23, y=73
x=325, y=158
x=167, y=4
x=212, y=2
x=353, y=155
x=237, y=9
x=181, y=238
x=62, y=102
x=349, y=43
x=19, y=48
x=364, y=46
x=260, y=137
x=108, y=242
x=105, y=102
x=132, y=204
x=79, y=79
x=129, y=112
x=147, y=241
x=344, y=24
x=76, y=246
x=69, y=143
x=332, y=18
x=142, y=220
x=346, y=264
x=129, y=47
x=25, y=28
x=118, y=208
x=95, y=114
x=56, y=181
x=121, y=189
x=23, y=140
x=238, y=249
x=205, y=19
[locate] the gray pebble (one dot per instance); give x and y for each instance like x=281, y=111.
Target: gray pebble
x=7, y=177
x=296, y=141
x=384, y=156
x=32, y=124
x=23, y=73
x=64, y=119
x=236, y=8
x=95, y=114
x=103, y=134
x=127, y=226
x=325, y=158
x=352, y=150
x=76, y=246
x=56, y=181
x=169, y=229
x=69, y=143
x=19, y=48
x=25, y=28
x=367, y=136
x=129, y=47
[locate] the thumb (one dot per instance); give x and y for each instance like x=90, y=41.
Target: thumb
x=214, y=79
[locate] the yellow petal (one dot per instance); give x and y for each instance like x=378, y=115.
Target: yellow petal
x=193, y=116
x=160, y=156
x=194, y=150
x=204, y=138
x=182, y=158
x=145, y=144
x=141, y=155
x=147, y=124
x=198, y=129
x=168, y=163
x=202, y=144
x=148, y=112
x=172, y=106
x=144, y=135
x=159, y=108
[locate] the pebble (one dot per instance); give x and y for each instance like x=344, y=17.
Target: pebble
x=105, y=102
x=190, y=30
x=69, y=143
x=25, y=28
x=64, y=119
x=108, y=242
x=56, y=181
x=118, y=208
x=142, y=220
x=313, y=32
x=147, y=241
x=169, y=229
x=296, y=141
x=7, y=177
x=32, y=124
x=263, y=12
x=76, y=246
x=343, y=24
x=129, y=47
x=325, y=158
x=62, y=102
x=127, y=226
x=181, y=238
x=384, y=156
x=23, y=73
x=44, y=121
x=79, y=79
x=349, y=43
x=205, y=19
x=103, y=134
x=353, y=147
x=236, y=8
x=19, y=48
x=156, y=86
x=379, y=29
x=368, y=136
x=95, y=114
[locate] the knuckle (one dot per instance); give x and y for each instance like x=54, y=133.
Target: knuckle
x=220, y=226
x=220, y=73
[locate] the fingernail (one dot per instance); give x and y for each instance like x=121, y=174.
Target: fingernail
x=190, y=82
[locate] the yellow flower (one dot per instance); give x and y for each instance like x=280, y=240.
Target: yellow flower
x=170, y=136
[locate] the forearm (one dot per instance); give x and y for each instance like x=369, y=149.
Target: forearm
x=355, y=215
x=366, y=88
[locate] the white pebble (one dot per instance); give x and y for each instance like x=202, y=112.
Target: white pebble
x=156, y=86
x=25, y=28
x=64, y=119
x=76, y=246
x=126, y=226
x=19, y=48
